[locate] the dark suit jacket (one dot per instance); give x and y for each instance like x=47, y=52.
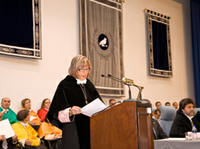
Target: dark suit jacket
x=9, y=143
x=158, y=132
x=182, y=124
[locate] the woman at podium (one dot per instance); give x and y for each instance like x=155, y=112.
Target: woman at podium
x=73, y=93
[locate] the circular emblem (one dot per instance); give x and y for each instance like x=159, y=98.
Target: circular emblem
x=103, y=42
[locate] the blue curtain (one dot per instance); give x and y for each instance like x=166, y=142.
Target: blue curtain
x=160, y=53
x=195, y=29
x=16, y=27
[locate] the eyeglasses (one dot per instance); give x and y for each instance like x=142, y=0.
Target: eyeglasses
x=83, y=70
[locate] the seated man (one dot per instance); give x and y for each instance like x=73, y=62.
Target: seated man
x=157, y=115
x=175, y=105
x=157, y=104
x=8, y=113
x=112, y=102
x=167, y=104
x=158, y=132
x=184, y=119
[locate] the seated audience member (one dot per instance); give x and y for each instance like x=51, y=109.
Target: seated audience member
x=157, y=104
x=184, y=119
x=44, y=109
x=51, y=134
x=175, y=105
x=26, y=133
x=8, y=113
x=157, y=115
x=167, y=104
x=112, y=102
x=34, y=118
x=7, y=143
x=158, y=132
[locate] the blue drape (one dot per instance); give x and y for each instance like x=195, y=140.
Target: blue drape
x=16, y=27
x=160, y=53
x=195, y=30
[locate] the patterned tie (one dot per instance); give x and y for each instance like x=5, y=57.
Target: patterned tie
x=192, y=123
x=84, y=92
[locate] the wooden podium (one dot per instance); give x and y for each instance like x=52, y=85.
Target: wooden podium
x=124, y=126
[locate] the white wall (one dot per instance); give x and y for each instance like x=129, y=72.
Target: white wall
x=38, y=79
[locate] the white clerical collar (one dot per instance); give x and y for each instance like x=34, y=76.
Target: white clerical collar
x=24, y=124
x=189, y=117
x=81, y=82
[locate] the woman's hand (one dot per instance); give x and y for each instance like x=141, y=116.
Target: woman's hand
x=32, y=123
x=14, y=138
x=58, y=136
x=27, y=142
x=75, y=110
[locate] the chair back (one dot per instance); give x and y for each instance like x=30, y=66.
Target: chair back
x=168, y=114
x=196, y=110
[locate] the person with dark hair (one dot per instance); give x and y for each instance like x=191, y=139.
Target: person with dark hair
x=26, y=133
x=44, y=109
x=175, y=105
x=157, y=104
x=157, y=115
x=184, y=119
x=167, y=104
x=73, y=93
x=112, y=102
x=158, y=132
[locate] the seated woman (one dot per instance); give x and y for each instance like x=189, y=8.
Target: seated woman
x=51, y=135
x=34, y=118
x=25, y=132
x=44, y=109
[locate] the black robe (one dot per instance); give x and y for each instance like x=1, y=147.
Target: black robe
x=182, y=124
x=10, y=144
x=158, y=132
x=76, y=134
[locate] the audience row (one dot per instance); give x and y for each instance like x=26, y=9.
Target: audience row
x=29, y=127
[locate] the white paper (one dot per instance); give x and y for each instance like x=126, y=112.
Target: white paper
x=175, y=139
x=6, y=129
x=32, y=118
x=93, y=107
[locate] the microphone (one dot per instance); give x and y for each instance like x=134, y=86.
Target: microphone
x=119, y=80
x=113, y=78
x=127, y=81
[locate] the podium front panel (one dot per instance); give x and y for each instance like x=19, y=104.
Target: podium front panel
x=125, y=126
x=115, y=128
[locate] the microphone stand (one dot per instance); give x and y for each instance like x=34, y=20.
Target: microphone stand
x=117, y=79
x=139, y=97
